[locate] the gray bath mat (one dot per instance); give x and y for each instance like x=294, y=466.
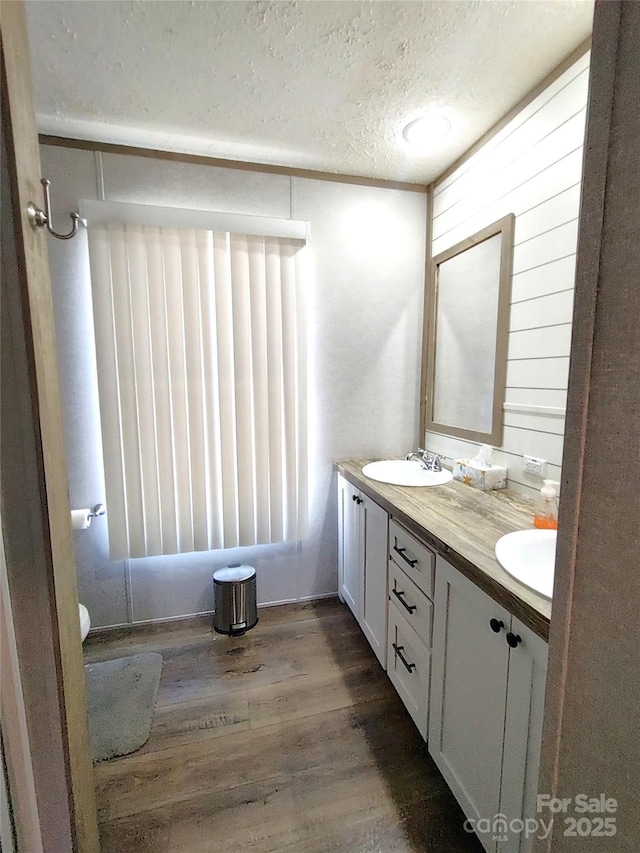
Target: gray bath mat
x=121, y=695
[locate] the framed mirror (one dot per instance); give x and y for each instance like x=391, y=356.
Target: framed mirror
x=467, y=329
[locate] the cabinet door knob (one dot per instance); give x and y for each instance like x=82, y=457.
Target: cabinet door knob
x=496, y=625
x=513, y=639
x=359, y=501
x=354, y=497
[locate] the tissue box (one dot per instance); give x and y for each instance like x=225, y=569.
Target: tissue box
x=485, y=477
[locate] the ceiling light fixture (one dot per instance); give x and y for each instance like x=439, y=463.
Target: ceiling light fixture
x=427, y=129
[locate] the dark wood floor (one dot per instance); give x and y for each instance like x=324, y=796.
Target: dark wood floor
x=290, y=738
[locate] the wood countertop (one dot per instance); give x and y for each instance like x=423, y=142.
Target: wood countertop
x=463, y=525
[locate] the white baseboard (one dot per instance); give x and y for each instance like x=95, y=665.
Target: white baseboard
x=302, y=600
x=204, y=613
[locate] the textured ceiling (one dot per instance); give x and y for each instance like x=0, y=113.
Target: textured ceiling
x=319, y=85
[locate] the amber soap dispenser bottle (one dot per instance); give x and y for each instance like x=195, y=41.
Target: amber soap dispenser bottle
x=545, y=516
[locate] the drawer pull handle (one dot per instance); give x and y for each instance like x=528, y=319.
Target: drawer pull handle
x=398, y=650
x=408, y=607
x=513, y=640
x=401, y=551
x=496, y=625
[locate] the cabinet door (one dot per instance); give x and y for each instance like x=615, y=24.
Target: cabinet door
x=523, y=734
x=408, y=665
x=373, y=618
x=468, y=693
x=350, y=561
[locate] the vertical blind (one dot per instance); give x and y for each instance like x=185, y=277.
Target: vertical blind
x=201, y=354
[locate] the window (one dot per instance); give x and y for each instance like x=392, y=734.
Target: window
x=201, y=352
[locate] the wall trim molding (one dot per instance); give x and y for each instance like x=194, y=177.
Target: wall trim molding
x=552, y=411
x=240, y=165
x=147, y=625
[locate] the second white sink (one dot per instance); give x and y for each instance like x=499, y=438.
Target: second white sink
x=405, y=472
x=529, y=556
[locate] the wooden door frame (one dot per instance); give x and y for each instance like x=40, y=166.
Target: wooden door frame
x=591, y=708
x=15, y=736
x=45, y=522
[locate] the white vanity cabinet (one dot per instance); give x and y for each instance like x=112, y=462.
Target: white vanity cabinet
x=486, y=706
x=362, y=563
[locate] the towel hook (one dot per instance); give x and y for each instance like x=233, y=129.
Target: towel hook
x=41, y=218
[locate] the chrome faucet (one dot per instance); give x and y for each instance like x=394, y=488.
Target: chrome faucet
x=430, y=463
x=433, y=463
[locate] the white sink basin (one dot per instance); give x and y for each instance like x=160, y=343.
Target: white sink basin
x=405, y=472
x=529, y=556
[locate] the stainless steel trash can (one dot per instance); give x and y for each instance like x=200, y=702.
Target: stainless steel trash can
x=236, y=610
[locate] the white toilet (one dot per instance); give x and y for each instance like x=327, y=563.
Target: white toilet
x=85, y=621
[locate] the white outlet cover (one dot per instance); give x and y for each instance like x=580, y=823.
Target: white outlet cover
x=533, y=465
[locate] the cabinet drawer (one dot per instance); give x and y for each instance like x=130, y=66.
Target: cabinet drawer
x=413, y=557
x=414, y=605
x=408, y=667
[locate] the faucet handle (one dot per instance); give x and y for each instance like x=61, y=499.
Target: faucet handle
x=419, y=453
x=436, y=465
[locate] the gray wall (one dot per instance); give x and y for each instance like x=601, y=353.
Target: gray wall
x=367, y=257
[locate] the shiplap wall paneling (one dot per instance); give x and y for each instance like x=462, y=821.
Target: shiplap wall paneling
x=533, y=168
